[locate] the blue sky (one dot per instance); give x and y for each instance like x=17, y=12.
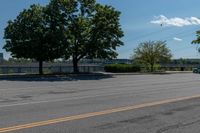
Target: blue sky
x=141, y=20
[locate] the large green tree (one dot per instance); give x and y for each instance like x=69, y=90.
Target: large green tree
x=36, y=33
x=93, y=30
x=74, y=29
x=151, y=52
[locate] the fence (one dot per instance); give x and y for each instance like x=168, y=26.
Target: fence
x=33, y=69
x=48, y=69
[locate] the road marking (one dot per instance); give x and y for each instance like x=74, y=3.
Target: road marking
x=92, y=114
x=60, y=100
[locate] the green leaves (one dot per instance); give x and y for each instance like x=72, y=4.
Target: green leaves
x=24, y=33
x=65, y=28
x=35, y=34
x=152, y=52
x=106, y=32
x=197, y=41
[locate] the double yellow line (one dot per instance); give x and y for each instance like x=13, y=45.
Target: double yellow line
x=92, y=114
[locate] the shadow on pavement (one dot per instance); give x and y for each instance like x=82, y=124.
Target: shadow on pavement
x=55, y=78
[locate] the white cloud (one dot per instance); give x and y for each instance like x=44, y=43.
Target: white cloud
x=178, y=39
x=176, y=21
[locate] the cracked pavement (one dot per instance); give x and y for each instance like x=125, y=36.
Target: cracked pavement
x=23, y=102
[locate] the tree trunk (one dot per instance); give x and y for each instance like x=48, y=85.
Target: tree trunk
x=152, y=67
x=40, y=67
x=75, y=65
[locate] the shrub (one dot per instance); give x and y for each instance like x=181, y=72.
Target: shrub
x=122, y=68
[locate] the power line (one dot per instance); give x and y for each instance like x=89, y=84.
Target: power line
x=149, y=34
x=168, y=39
x=183, y=34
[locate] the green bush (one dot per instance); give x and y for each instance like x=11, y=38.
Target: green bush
x=119, y=68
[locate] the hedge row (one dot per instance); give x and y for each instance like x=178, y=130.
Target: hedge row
x=122, y=68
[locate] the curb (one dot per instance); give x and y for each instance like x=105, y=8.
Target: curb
x=24, y=76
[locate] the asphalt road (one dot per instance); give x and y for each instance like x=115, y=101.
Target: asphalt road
x=95, y=104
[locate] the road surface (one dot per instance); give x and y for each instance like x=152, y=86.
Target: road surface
x=126, y=103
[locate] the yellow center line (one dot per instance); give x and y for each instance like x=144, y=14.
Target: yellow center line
x=92, y=114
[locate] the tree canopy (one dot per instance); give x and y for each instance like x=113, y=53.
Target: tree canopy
x=34, y=34
x=94, y=31
x=151, y=52
x=73, y=29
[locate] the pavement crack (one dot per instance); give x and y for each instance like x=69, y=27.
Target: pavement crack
x=107, y=126
x=164, y=129
x=180, y=109
x=7, y=100
x=61, y=92
x=142, y=119
x=117, y=124
x=176, y=126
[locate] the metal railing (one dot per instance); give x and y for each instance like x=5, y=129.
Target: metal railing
x=48, y=69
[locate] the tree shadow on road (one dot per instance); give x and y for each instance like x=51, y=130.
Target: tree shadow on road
x=55, y=78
